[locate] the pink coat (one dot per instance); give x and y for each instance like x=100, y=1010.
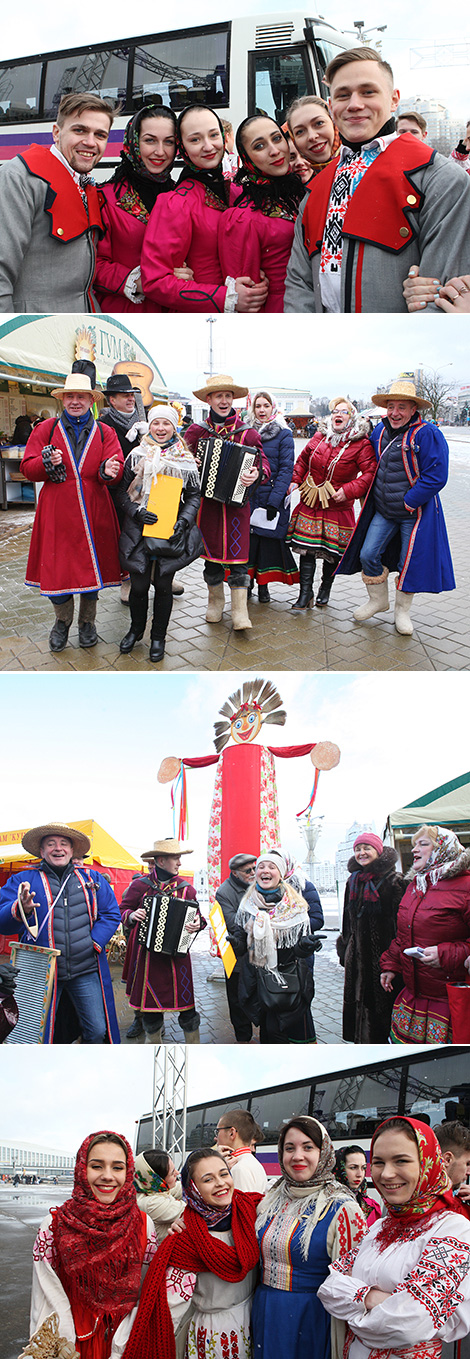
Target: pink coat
x=183, y=229
x=250, y=242
x=118, y=254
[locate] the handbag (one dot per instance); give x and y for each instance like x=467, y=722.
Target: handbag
x=287, y=990
x=459, y=1005
x=162, y=547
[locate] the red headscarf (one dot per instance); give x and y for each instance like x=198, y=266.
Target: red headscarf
x=433, y=1193
x=97, y=1249
x=195, y=1250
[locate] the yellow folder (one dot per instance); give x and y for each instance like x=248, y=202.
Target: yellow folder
x=217, y=919
x=163, y=500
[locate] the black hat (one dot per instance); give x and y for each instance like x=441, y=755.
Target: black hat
x=88, y=369
x=118, y=382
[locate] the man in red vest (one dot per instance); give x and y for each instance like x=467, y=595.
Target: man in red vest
x=50, y=216
x=385, y=204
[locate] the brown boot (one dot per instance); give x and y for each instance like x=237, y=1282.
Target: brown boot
x=58, y=637
x=87, y=634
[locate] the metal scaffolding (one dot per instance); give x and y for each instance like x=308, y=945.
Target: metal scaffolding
x=170, y=1100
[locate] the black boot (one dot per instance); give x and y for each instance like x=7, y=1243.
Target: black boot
x=307, y=572
x=129, y=641
x=58, y=637
x=324, y=592
x=136, y=1030
x=157, y=649
x=138, y=607
x=87, y=634
x=263, y=594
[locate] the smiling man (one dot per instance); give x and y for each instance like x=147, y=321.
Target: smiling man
x=50, y=216
x=387, y=203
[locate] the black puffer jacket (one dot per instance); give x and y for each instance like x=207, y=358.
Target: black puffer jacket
x=133, y=553
x=367, y=1007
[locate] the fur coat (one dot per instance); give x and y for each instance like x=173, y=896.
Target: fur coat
x=368, y=928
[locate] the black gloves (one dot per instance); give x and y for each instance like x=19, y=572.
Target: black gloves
x=178, y=537
x=58, y=473
x=146, y=516
x=271, y=512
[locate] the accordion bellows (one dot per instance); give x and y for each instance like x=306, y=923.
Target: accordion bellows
x=221, y=469
x=164, y=929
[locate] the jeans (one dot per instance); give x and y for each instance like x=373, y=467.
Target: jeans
x=214, y=573
x=87, y=997
x=380, y=532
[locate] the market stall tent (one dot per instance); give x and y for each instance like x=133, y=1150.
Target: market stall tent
x=447, y=805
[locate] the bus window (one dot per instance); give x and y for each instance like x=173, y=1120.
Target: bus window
x=437, y=1088
x=103, y=73
x=182, y=70
x=324, y=53
x=19, y=92
x=352, y=1106
x=275, y=79
x=276, y=1107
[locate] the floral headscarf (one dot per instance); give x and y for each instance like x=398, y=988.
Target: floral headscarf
x=146, y=1180
x=274, y=195
x=306, y=1202
x=137, y=186
x=446, y=848
x=433, y=1193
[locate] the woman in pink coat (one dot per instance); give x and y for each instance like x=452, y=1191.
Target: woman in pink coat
x=256, y=234
x=183, y=228
x=147, y=156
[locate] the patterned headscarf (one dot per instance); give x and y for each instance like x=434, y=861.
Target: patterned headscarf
x=212, y=1216
x=274, y=195
x=146, y=1180
x=305, y=1202
x=97, y=1250
x=140, y=188
x=213, y=179
x=433, y=1193
x=446, y=848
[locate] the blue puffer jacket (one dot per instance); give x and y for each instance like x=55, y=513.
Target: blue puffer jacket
x=279, y=450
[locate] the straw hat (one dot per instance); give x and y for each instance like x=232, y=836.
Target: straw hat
x=167, y=846
x=405, y=390
x=32, y=840
x=77, y=382
x=221, y=383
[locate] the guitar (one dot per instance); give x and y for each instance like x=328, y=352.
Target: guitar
x=141, y=375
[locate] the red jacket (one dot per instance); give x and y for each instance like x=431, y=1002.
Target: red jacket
x=118, y=254
x=442, y=917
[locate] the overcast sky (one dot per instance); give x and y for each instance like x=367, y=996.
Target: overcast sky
x=411, y=31
x=57, y=1097
x=90, y=746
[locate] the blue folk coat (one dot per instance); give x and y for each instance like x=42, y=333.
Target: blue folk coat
x=105, y=917
x=428, y=564
x=280, y=454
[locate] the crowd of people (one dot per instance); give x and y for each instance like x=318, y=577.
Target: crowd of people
x=220, y=1264
x=404, y=945
x=103, y=481
x=280, y=221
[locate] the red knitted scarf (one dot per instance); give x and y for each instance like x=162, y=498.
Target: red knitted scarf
x=97, y=1250
x=195, y=1250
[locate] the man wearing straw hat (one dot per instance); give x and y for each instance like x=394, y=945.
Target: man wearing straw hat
x=402, y=524
x=74, y=543
x=226, y=528
x=159, y=982
x=58, y=904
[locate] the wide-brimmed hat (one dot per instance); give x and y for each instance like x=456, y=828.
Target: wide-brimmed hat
x=32, y=840
x=168, y=846
x=77, y=382
x=221, y=383
x=406, y=390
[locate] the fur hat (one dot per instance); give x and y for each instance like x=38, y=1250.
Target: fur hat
x=405, y=390
x=31, y=842
x=168, y=846
x=221, y=383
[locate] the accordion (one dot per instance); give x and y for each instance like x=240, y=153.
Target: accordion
x=164, y=929
x=222, y=464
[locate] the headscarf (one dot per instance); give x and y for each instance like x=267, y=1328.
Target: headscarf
x=97, y=1251
x=308, y=1201
x=195, y=1250
x=212, y=179
x=146, y=1180
x=446, y=848
x=138, y=188
x=274, y=195
x=433, y=1193
x=212, y=1216
x=276, y=419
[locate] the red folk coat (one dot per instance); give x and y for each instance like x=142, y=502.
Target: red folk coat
x=250, y=242
x=183, y=229
x=354, y=471
x=442, y=917
x=155, y=981
x=118, y=254
x=74, y=543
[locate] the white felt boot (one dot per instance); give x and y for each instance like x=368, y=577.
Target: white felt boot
x=377, y=589
x=403, y=622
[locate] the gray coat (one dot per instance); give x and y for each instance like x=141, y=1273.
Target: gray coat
x=439, y=244
x=40, y=272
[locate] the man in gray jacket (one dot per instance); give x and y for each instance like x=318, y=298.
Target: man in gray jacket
x=50, y=216
x=229, y=894
x=387, y=203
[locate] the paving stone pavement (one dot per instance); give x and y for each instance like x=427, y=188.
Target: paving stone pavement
x=326, y=639
x=211, y=999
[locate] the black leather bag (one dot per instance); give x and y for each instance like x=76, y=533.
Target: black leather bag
x=289, y=992
x=162, y=547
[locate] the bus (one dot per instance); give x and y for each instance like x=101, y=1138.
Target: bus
x=350, y=1103
x=238, y=67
